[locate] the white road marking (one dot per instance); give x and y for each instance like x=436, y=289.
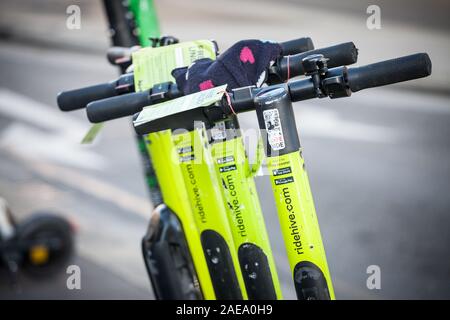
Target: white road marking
x=323, y=123
x=36, y=144
x=95, y=187
x=398, y=100
x=326, y=123
x=24, y=108
x=59, y=139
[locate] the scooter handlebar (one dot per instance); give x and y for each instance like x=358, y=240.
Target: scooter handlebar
x=117, y=107
x=296, y=46
x=79, y=98
x=382, y=73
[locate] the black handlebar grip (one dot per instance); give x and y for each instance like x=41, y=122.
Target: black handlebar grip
x=390, y=71
x=79, y=98
x=338, y=55
x=342, y=54
x=117, y=107
x=296, y=46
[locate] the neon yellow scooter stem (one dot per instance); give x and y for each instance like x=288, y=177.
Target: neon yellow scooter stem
x=245, y=216
x=293, y=198
x=209, y=213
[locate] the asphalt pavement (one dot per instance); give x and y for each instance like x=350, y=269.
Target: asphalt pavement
x=378, y=162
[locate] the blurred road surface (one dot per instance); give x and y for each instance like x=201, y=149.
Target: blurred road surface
x=378, y=161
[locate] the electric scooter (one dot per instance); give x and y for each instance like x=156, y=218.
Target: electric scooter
x=41, y=245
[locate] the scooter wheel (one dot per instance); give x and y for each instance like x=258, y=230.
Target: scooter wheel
x=47, y=244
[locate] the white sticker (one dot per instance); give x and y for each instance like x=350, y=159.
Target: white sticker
x=219, y=132
x=274, y=131
x=182, y=104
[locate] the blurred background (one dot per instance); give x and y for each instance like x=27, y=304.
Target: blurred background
x=379, y=162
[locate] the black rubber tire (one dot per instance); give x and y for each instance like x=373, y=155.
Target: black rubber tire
x=37, y=229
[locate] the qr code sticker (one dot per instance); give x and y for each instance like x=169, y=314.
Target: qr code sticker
x=274, y=131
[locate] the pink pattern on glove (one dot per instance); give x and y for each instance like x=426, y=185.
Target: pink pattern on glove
x=247, y=55
x=205, y=85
